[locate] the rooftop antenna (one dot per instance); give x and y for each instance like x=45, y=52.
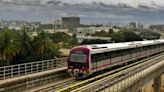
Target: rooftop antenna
x=50, y=20
x=110, y=23
x=69, y=14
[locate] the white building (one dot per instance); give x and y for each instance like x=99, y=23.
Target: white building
x=58, y=22
x=92, y=30
x=51, y=31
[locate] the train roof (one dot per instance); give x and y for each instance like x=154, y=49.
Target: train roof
x=98, y=48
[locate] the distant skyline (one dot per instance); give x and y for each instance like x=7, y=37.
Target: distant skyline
x=90, y=11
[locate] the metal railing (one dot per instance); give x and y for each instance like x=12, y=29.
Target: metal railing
x=127, y=80
x=29, y=68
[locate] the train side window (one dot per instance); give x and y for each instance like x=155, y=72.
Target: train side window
x=143, y=48
x=108, y=55
x=127, y=52
x=100, y=56
x=137, y=49
x=93, y=58
x=104, y=56
x=114, y=54
x=130, y=51
x=140, y=49
x=123, y=52
x=147, y=48
x=119, y=53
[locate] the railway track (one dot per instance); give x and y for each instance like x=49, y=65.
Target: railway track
x=115, y=82
x=72, y=83
x=67, y=83
x=108, y=74
x=57, y=86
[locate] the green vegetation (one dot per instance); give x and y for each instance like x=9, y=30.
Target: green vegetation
x=64, y=39
x=121, y=36
x=117, y=37
x=103, y=33
x=9, y=45
x=21, y=46
x=131, y=36
x=98, y=41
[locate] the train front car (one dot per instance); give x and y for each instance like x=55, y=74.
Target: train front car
x=78, y=62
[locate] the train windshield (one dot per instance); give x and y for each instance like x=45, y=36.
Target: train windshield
x=78, y=56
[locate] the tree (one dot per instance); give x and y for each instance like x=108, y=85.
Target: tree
x=74, y=40
x=94, y=41
x=68, y=40
x=102, y=33
x=20, y=47
x=9, y=45
x=44, y=46
x=131, y=36
x=53, y=51
x=60, y=37
x=117, y=37
x=27, y=51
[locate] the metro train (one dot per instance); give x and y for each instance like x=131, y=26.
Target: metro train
x=87, y=59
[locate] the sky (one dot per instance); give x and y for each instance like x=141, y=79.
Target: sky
x=89, y=11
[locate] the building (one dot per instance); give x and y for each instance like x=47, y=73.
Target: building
x=157, y=27
x=149, y=35
x=140, y=26
x=58, y=23
x=18, y=24
x=132, y=25
x=81, y=38
x=91, y=30
x=52, y=31
x=85, y=31
x=70, y=22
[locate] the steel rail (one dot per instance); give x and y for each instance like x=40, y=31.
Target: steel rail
x=57, y=86
x=113, y=77
x=88, y=81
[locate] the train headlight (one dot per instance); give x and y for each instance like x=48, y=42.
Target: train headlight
x=85, y=72
x=70, y=66
x=81, y=71
x=69, y=70
x=76, y=72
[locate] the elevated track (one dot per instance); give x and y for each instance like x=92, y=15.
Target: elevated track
x=111, y=78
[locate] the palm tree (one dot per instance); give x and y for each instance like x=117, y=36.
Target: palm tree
x=9, y=45
x=26, y=42
x=42, y=43
x=26, y=50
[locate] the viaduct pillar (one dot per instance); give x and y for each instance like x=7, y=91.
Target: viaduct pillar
x=157, y=84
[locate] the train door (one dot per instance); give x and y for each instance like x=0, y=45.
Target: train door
x=94, y=62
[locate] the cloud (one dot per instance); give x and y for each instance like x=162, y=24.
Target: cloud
x=52, y=2
x=88, y=10
x=82, y=4
x=29, y=2
x=105, y=3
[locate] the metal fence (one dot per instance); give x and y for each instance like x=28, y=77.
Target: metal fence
x=29, y=68
x=127, y=80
